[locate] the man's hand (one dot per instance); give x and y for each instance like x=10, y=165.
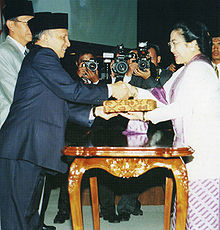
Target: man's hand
x=99, y=112
x=133, y=90
x=122, y=90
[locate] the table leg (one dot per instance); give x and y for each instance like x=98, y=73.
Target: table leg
x=75, y=197
x=180, y=175
x=168, y=202
x=95, y=202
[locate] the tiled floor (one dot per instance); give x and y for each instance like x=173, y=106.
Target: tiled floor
x=151, y=220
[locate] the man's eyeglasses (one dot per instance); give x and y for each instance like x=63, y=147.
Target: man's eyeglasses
x=16, y=20
x=174, y=44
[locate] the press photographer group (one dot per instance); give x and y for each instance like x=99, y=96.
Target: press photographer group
x=117, y=62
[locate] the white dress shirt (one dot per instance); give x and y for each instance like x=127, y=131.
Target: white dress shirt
x=218, y=67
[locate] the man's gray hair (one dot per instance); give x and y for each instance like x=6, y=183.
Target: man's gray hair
x=37, y=37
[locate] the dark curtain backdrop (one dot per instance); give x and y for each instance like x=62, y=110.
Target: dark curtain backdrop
x=155, y=18
x=1, y=17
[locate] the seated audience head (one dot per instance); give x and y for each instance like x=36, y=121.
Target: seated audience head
x=154, y=54
x=216, y=49
x=50, y=30
x=188, y=40
x=16, y=16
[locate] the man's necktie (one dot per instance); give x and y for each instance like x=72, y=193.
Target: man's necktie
x=25, y=53
x=216, y=70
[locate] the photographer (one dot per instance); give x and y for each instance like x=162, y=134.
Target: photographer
x=151, y=77
x=87, y=68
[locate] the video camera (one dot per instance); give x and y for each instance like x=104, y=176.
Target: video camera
x=143, y=61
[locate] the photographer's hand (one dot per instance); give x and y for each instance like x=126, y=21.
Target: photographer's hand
x=132, y=67
x=172, y=67
x=93, y=76
x=82, y=71
x=144, y=74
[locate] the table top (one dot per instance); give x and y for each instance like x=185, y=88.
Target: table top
x=127, y=151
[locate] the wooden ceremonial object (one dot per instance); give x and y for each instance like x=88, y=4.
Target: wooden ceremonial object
x=130, y=105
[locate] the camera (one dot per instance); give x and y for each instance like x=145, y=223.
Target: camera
x=120, y=65
x=143, y=60
x=91, y=64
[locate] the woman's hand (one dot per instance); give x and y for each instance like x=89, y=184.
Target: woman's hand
x=134, y=115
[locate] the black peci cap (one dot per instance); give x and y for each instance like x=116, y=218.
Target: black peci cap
x=47, y=20
x=16, y=9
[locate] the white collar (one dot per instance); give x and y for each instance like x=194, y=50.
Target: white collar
x=216, y=64
x=20, y=47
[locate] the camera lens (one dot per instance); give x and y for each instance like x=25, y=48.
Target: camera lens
x=121, y=67
x=92, y=66
x=143, y=63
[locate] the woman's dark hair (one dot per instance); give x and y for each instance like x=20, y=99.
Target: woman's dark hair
x=198, y=31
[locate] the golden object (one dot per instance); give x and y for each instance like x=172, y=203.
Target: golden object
x=131, y=105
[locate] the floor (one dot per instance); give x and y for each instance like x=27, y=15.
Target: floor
x=151, y=220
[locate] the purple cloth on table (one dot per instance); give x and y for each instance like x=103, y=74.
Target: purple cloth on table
x=137, y=140
x=136, y=127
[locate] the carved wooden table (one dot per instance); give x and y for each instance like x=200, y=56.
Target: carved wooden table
x=126, y=162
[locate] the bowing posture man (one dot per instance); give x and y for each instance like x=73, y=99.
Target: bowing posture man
x=32, y=137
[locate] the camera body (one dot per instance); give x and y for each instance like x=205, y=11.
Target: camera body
x=143, y=60
x=90, y=64
x=120, y=65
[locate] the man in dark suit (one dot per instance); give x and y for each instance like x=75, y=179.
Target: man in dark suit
x=32, y=136
x=75, y=134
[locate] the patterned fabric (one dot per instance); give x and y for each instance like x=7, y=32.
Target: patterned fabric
x=160, y=94
x=204, y=205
